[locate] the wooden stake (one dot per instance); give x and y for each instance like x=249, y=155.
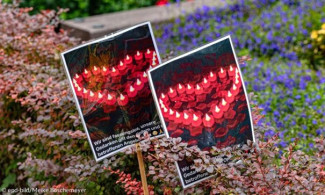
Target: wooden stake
x=142, y=170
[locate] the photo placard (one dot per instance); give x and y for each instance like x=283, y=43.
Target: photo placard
x=201, y=97
x=110, y=86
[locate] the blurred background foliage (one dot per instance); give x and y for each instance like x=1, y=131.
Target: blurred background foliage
x=83, y=8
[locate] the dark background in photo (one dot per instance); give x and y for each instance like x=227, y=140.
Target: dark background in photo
x=191, y=69
x=103, y=121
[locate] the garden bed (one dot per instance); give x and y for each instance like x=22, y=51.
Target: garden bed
x=44, y=144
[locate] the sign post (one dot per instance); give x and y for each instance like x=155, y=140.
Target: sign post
x=142, y=170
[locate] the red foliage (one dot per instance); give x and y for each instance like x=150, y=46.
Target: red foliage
x=131, y=186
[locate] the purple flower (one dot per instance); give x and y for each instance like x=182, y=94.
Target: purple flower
x=276, y=113
x=280, y=153
x=303, y=115
x=302, y=84
x=269, y=35
x=309, y=100
x=279, y=124
x=281, y=134
x=301, y=135
x=261, y=122
x=269, y=133
x=278, y=25
x=292, y=28
x=283, y=144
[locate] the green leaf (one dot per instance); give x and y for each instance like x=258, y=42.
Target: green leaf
x=10, y=179
x=177, y=189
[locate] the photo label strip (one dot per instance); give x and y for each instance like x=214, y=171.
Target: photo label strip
x=201, y=98
x=110, y=86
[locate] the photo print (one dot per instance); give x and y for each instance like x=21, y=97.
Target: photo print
x=201, y=98
x=110, y=85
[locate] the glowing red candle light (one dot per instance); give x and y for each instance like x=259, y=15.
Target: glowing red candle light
x=121, y=66
x=75, y=84
x=217, y=112
x=148, y=54
x=236, y=71
x=187, y=119
x=208, y=121
x=138, y=85
x=153, y=64
x=154, y=56
x=234, y=89
x=237, y=82
x=85, y=93
x=180, y=88
x=196, y=120
x=153, y=60
x=171, y=114
x=138, y=56
x=198, y=90
x=123, y=100
x=78, y=78
x=165, y=112
x=114, y=72
x=164, y=97
x=110, y=99
x=178, y=117
x=162, y=103
x=222, y=74
x=131, y=92
x=230, y=97
x=224, y=105
x=92, y=96
x=231, y=71
x=212, y=77
x=128, y=60
x=172, y=93
x=100, y=97
x=205, y=83
x=78, y=91
x=96, y=70
x=144, y=77
x=86, y=74
x=189, y=89
x=104, y=71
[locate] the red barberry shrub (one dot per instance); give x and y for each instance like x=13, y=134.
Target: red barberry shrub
x=252, y=168
x=43, y=142
x=131, y=186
